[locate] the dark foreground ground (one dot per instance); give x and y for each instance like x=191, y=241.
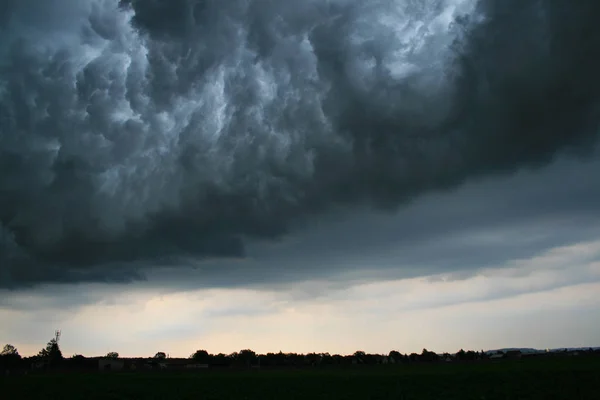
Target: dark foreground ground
x=569, y=378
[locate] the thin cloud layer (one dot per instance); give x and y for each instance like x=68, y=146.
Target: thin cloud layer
x=156, y=132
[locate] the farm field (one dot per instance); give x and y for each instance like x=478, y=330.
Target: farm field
x=556, y=378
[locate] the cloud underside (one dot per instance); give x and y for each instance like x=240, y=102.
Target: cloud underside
x=139, y=134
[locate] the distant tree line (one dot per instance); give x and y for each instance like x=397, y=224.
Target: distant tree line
x=48, y=357
x=51, y=357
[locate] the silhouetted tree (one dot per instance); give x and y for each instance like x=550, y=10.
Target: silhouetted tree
x=396, y=356
x=312, y=359
x=326, y=359
x=429, y=356
x=359, y=356
x=372, y=359
x=160, y=355
x=79, y=362
x=201, y=356
x=220, y=359
x=268, y=359
x=233, y=358
x=112, y=355
x=246, y=356
x=78, y=359
x=294, y=359
x=337, y=359
x=10, y=357
x=275, y=359
x=51, y=353
x=9, y=350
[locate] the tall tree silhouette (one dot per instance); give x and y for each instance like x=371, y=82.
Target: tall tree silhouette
x=51, y=353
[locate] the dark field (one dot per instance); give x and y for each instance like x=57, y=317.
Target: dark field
x=554, y=378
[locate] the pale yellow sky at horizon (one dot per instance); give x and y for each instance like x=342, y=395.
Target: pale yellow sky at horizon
x=530, y=303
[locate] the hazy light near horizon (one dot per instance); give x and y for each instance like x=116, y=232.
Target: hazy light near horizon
x=523, y=306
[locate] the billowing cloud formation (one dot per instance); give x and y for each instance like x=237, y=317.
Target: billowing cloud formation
x=154, y=131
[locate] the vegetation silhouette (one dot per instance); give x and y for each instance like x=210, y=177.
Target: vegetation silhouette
x=508, y=373
x=51, y=358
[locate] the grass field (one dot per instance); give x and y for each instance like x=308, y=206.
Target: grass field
x=569, y=378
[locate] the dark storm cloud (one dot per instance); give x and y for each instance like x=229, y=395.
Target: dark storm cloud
x=152, y=132
x=490, y=224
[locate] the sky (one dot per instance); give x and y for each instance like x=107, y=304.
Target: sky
x=316, y=175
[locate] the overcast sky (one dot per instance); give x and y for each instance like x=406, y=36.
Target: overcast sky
x=315, y=175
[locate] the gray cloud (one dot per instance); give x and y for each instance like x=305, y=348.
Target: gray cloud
x=154, y=132
x=484, y=224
